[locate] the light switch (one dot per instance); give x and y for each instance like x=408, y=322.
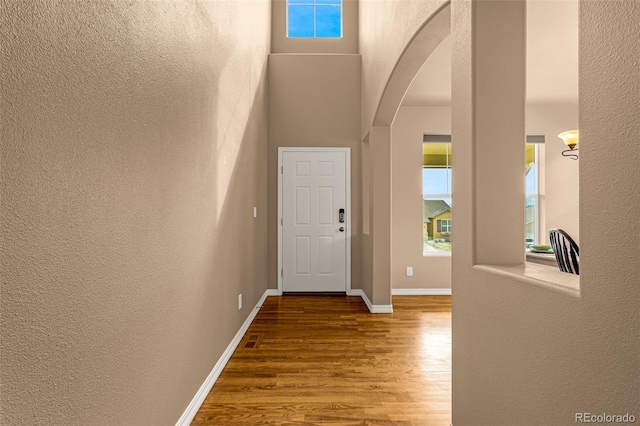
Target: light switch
x=409, y=271
x=255, y=212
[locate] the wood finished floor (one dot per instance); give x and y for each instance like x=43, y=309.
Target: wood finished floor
x=326, y=360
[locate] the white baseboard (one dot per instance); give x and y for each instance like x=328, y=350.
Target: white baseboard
x=381, y=309
x=374, y=309
x=202, y=393
x=421, y=292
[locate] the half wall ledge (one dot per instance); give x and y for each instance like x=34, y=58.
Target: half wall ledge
x=538, y=275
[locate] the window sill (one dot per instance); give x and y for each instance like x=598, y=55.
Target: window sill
x=538, y=275
x=434, y=254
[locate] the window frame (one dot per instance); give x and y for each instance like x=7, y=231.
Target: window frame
x=446, y=140
x=441, y=226
x=535, y=195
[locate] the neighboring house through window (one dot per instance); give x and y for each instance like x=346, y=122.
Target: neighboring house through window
x=314, y=18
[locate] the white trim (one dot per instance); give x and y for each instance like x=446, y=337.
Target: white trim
x=538, y=275
x=421, y=292
x=374, y=309
x=347, y=152
x=381, y=309
x=361, y=293
x=202, y=393
x=269, y=292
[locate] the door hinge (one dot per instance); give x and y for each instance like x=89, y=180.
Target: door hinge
x=282, y=272
x=281, y=222
x=281, y=170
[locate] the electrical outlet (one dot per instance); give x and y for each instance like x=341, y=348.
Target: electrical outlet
x=409, y=271
x=240, y=301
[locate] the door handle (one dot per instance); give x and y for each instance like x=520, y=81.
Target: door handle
x=342, y=229
x=341, y=215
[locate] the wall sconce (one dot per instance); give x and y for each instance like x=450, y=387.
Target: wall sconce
x=570, y=138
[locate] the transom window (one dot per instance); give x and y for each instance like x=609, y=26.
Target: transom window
x=314, y=18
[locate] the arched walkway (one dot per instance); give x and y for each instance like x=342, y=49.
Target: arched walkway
x=377, y=249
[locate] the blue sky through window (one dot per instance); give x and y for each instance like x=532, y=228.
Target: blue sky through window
x=314, y=18
x=436, y=180
x=530, y=180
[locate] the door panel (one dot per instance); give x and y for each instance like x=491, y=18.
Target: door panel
x=302, y=205
x=313, y=245
x=303, y=255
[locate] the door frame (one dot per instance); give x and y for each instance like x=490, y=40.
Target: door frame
x=347, y=151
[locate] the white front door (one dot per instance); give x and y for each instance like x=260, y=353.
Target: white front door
x=314, y=225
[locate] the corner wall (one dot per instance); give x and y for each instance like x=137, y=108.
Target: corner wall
x=558, y=189
x=429, y=272
x=315, y=102
x=385, y=77
x=134, y=143
x=524, y=354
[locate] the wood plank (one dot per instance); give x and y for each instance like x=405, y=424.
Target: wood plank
x=319, y=359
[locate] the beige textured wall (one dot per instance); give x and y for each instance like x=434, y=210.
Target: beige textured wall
x=367, y=213
x=406, y=214
x=380, y=236
x=314, y=101
x=348, y=43
x=133, y=152
x=524, y=354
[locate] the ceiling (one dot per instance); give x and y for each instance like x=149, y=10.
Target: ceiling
x=552, y=59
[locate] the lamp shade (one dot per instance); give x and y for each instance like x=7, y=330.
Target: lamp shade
x=570, y=138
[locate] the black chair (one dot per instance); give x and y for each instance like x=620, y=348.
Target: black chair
x=566, y=251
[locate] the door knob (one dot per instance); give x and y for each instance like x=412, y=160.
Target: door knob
x=342, y=229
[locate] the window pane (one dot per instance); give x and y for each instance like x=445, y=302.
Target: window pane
x=435, y=181
x=531, y=169
x=328, y=21
x=335, y=2
x=530, y=220
x=436, y=225
x=531, y=191
x=300, y=21
x=436, y=190
x=530, y=180
x=300, y=1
